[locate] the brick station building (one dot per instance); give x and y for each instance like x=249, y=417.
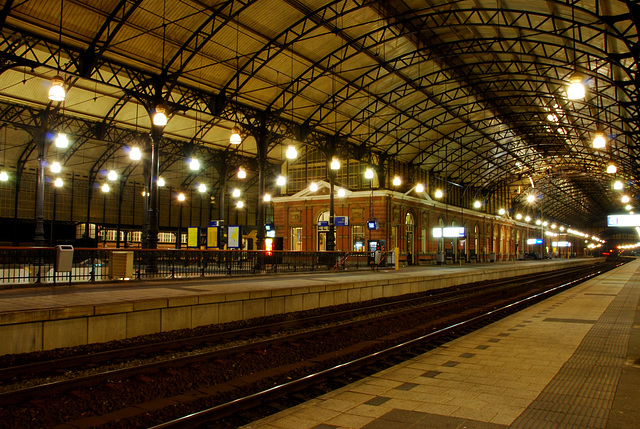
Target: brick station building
x=406, y=221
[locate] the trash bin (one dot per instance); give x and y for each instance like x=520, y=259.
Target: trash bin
x=492, y=257
x=64, y=258
x=440, y=257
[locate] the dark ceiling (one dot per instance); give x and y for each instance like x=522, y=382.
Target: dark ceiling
x=472, y=92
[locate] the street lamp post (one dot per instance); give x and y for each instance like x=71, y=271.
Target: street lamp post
x=181, y=199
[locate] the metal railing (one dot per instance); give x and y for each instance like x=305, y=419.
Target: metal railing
x=39, y=265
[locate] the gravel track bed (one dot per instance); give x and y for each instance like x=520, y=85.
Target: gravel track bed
x=116, y=395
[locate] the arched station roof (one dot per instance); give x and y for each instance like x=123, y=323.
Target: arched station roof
x=470, y=91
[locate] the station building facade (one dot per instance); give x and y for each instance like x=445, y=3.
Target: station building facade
x=406, y=221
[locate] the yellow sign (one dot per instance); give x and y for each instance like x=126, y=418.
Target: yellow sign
x=212, y=237
x=193, y=235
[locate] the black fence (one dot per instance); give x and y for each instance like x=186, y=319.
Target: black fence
x=64, y=264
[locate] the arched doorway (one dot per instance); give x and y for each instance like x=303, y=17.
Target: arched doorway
x=322, y=223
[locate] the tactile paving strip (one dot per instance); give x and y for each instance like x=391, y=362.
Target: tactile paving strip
x=581, y=394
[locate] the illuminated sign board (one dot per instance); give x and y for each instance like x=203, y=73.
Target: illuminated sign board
x=534, y=241
x=452, y=232
x=560, y=244
x=341, y=220
x=623, y=220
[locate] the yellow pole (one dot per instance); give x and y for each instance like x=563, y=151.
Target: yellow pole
x=396, y=251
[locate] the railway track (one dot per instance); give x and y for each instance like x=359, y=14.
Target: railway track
x=237, y=376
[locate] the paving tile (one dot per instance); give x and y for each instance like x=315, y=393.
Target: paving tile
x=377, y=401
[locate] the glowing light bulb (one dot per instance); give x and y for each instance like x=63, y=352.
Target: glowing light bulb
x=62, y=141
x=135, y=154
x=292, y=153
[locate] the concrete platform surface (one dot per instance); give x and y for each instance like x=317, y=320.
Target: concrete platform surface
x=64, y=296
x=45, y=318
x=572, y=361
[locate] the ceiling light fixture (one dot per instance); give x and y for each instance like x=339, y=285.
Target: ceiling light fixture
x=335, y=164
x=160, y=118
x=368, y=173
x=576, y=89
x=57, y=91
x=599, y=141
x=235, y=138
x=292, y=153
x=194, y=164
x=61, y=141
x=135, y=154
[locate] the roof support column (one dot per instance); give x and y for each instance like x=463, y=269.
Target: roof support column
x=41, y=143
x=262, y=145
x=156, y=138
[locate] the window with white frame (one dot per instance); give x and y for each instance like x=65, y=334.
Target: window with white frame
x=296, y=238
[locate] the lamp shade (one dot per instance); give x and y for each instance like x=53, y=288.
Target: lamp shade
x=61, y=141
x=292, y=153
x=160, y=119
x=57, y=92
x=576, y=89
x=368, y=173
x=235, y=138
x=135, y=154
x=599, y=141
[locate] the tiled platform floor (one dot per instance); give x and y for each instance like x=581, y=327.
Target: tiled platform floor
x=572, y=361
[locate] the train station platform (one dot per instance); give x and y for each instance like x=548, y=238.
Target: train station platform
x=44, y=318
x=572, y=361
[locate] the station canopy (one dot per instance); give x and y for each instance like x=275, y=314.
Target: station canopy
x=470, y=91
